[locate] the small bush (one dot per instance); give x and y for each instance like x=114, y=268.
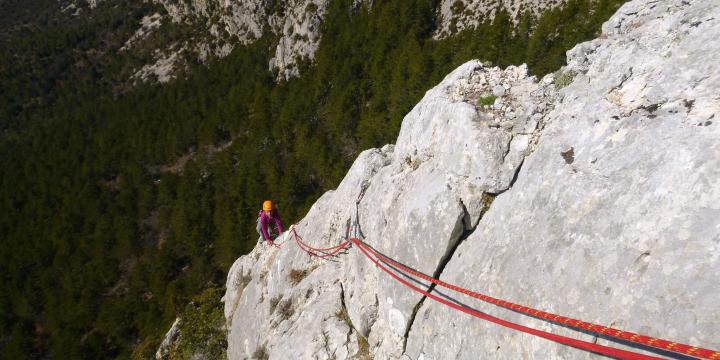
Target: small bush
x=146, y=349
x=486, y=100
x=202, y=329
x=343, y=315
x=485, y=202
x=261, y=353
x=296, y=276
x=311, y=8
x=457, y=7
x=274, y=303
x=564, y=78
x=286, y=310
x=363, y=349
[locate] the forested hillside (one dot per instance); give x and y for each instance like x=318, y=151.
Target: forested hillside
x=120, y=203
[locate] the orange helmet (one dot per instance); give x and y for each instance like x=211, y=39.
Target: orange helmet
x=267, y=205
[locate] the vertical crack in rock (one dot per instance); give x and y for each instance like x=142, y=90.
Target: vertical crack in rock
x=515, y=176
x=363, y=347
x=509, y=146
x=467, y=230
x=346, y=314
x=512, y=181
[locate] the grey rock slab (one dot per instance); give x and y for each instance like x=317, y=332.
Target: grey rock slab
x=623, y=233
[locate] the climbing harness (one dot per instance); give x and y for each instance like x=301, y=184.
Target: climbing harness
x=400, y=272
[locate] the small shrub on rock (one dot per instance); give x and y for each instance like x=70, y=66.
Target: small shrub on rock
x=260, y=353
x=296, y=276
x=285, y=310
x=274, y=303
x=564, y=78
x=486, y=100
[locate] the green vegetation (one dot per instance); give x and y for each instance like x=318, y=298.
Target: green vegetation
x=486, y=200
x=104, y=242
x=486, y=100
x=363, y=348
x=363, y=345
x=342, y=315
x=563, y=78
x=202, y=327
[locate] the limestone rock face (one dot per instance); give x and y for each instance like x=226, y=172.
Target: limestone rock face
x=148, y=24
x=423, y=196
x=296, y=22
x=165, y=66
x=596, y=201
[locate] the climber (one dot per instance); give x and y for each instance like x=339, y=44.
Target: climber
x=266, y=217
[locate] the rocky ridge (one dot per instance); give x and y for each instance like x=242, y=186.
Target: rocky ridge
x=455, y=16
x=595, y=201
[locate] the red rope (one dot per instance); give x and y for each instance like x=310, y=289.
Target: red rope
x=272, y=243
x=579, y=344
x=702, y=353
x=322, y=253
x=599, y=329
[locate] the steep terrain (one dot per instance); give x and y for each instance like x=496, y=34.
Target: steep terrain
x=595, y=201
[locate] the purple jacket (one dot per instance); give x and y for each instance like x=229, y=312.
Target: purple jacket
x=265, y=220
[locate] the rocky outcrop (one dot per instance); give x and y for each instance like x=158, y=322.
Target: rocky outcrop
x=455, y=16
x=229, y=23
x=165, y=66
x=595, y=201
x=148, y=24
x=450, y=158
x=76, y=7
x=299, y=31
x=169, y=341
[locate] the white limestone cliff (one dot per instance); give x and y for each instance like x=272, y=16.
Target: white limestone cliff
x=597, y=201
x=229, y=23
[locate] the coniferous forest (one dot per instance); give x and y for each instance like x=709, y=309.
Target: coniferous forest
x=121, y=202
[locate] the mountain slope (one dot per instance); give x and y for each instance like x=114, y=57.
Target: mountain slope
x=595, y=202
